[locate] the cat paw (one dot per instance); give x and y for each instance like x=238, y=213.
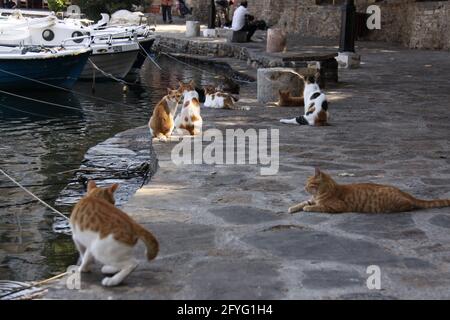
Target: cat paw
x=109, y=270
x=294, y=210
x=109, y=282
x=308, y=209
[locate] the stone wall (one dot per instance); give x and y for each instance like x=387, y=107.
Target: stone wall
x=424, y=25
x=421, y=25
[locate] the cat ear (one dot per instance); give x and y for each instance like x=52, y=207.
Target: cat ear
x=169, y=91
x=192, y=83
x=114, y=187
x=91, y=185
x=318, y=172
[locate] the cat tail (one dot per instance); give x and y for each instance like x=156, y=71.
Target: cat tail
x=428, y=204
x=149, y=240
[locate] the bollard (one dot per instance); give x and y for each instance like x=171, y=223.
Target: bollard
x=276, y=40
x=192, y=29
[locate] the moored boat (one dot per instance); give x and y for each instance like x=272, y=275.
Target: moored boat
x=113, y=51
x=34, y=67
x=113, y=60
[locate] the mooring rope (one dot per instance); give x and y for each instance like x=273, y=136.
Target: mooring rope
x=150, y=57
x=63, y=89
x=33, y=195
x=58, y=104
x=108, y=75
x=34, y=284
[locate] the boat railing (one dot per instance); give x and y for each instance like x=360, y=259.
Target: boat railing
x=108, y=39
x=77, y=42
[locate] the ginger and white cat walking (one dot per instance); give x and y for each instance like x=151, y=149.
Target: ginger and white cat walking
x=104, y=233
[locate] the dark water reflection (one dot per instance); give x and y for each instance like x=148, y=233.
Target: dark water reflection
x=37, y=142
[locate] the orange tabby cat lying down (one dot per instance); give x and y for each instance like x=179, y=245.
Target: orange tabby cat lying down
x=104, y=233
x=286, y=100
x=330, y=197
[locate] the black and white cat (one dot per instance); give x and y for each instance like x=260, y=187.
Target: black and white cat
x=316, y=105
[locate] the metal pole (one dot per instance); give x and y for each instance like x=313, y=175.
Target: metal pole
x=212, y=15
x=348, y=27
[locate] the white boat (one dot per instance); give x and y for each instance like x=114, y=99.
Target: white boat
x=121, y=24
x=113, y=53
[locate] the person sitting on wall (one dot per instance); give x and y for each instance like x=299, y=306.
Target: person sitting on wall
x=244, y=21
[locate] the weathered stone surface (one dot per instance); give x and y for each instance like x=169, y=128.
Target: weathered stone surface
x=442, y=221
x=320, y=246
x=327, y=279
x=383, y=226
x=235, y=280
x=245, y=215
x=270, y=81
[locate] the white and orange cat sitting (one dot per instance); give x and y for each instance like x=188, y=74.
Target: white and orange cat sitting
x=162, y=122
x=189, y=121
x=104, y=233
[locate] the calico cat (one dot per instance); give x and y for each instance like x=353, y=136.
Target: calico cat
x=104, y=233
x=217, y=99
x=188, y=91
x=189, y=120
x=331, y=197
x=316, y=105
x=161, y=123
x=286, y=100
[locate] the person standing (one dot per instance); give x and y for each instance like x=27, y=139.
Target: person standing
x=166, y=6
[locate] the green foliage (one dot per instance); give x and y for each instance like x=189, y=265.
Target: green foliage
x=57, y=5
x=93, y=8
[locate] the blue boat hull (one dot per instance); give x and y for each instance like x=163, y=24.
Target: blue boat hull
x=61, y=71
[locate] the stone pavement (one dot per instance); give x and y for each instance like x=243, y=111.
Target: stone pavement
x=224, y=230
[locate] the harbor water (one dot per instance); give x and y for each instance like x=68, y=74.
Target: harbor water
x=39, y=143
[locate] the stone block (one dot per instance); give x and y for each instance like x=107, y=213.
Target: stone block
x=271, y=80
x=192, y=29
x=348, y=60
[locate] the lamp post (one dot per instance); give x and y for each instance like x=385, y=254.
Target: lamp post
x=212, y=15
x=348, y=27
